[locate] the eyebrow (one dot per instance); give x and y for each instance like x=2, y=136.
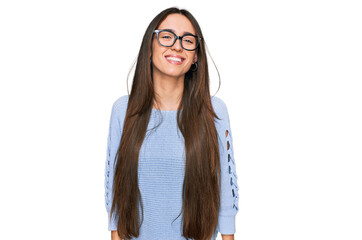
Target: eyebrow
x=172, y=30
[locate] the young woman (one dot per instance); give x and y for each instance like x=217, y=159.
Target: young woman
x=170, y=170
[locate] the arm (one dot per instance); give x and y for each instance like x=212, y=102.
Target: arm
x=225, y=237
x=229, y=196
x=114, y=236
x=113, y=141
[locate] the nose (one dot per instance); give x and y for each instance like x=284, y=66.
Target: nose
x=177, y=45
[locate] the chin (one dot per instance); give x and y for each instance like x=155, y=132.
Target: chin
x=174, y=72
x=176, y=75
x=170, y=71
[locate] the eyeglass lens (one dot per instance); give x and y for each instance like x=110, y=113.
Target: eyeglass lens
x=167, y=39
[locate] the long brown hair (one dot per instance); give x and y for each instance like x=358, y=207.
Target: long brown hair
x=201, y=186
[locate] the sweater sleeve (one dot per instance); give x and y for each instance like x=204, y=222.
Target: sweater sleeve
x=114, y=137
x=229, y=194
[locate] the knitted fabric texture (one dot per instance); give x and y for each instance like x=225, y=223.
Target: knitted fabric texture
x=161, y=172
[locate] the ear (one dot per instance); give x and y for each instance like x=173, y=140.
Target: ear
x=195, y=58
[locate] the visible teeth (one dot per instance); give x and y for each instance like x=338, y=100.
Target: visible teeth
x=174, y=59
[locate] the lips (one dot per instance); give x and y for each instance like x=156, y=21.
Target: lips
x=174, y=59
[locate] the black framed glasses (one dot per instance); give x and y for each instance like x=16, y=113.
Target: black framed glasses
x=168, y=38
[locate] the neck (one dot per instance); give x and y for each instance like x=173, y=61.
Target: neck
x=168, y=91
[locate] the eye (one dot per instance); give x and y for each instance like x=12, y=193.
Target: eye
x=167, y=36
x=189, y=39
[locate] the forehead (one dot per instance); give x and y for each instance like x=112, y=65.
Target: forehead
x=178, y=23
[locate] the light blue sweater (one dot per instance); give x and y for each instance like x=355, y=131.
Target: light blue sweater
x=161, y=172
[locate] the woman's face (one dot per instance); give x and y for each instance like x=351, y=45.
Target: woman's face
x=162, y=64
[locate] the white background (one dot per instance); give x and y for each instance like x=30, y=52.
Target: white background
x=290, y=77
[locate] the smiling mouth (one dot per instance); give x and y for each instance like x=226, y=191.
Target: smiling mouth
x=174, y=59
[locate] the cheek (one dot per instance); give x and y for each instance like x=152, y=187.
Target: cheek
x=157, y=58
x=191, y=56
x=154, y=50
x=157, y=52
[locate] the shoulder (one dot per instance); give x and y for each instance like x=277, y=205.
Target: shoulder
x=220, y=108
x=119, y=108
x=121, y=102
